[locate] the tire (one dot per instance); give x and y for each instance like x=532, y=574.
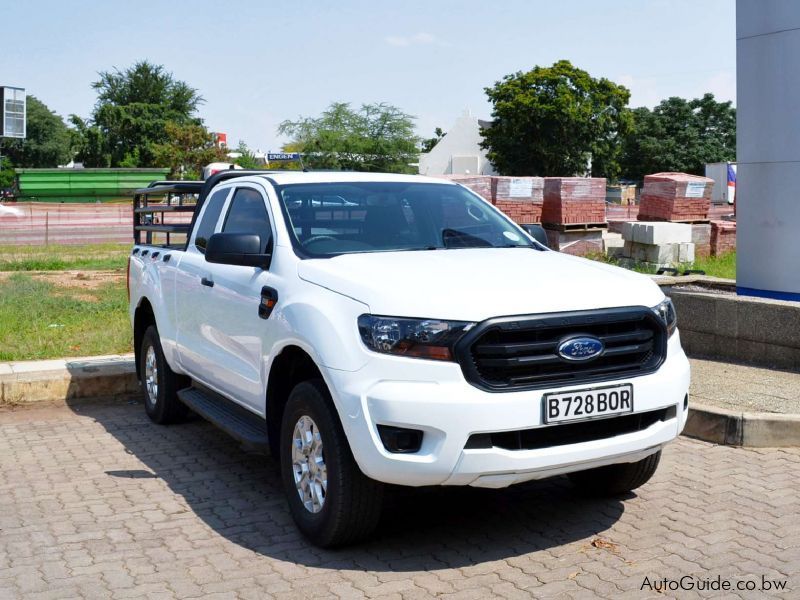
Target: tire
x=613, y=480
x=160, y=386
x=341, y=504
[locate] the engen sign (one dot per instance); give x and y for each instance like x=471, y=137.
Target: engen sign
x=12, y=101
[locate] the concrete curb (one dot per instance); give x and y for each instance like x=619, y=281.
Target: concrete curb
x=27, y=382
x=735, y=428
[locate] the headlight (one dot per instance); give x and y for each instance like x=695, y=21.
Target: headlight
x=666, y=312
x=420, y=338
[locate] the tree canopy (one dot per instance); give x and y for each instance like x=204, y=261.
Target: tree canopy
x=48, y=142
x=679, y=135
x=129, y=121
x=556, y=121
x=376, y=137
x=188, y=148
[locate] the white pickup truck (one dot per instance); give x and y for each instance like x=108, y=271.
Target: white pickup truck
x=373, y=329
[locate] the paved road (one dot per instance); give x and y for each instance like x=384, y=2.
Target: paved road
x=95, y=502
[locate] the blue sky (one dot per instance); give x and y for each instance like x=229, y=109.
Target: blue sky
x=258, y=63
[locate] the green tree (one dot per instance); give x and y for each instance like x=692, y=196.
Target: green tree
x=428, y=144
x=187, y=149
x=679, y=135
x=375, y=138
x=6, y=173
x=556, y=121
x=131, y=115
x=247, y=160
x=48, y=141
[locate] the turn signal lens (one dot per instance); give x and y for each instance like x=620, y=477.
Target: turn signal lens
x=666, y=312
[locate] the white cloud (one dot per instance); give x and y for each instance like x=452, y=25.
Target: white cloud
x=418, y=39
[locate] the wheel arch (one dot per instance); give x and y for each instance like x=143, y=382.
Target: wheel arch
x=143, y=317
x=290, y=367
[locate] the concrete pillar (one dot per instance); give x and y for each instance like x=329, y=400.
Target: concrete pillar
x=768, y=148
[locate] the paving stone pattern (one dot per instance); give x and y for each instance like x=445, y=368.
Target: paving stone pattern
x=96, y=502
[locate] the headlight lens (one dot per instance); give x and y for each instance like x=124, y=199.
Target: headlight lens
x=420, y=338
x=666, y=312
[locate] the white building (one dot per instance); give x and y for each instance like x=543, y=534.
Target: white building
x=459, y=151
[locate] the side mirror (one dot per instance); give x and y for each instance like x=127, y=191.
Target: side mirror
x=243, y=249
x=537, y=232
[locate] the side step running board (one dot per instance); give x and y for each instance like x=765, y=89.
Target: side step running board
x=238, y=422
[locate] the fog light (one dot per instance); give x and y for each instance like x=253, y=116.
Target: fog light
x=399, y=440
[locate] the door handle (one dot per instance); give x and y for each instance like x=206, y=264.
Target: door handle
x=207, y=282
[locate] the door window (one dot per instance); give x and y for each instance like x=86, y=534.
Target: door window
x=248, y=214
x=208, y=221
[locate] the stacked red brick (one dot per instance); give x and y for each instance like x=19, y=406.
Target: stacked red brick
x=675, y=197
x=480, y=184
x=569, y=200
x=520, y=198
x=723, y=237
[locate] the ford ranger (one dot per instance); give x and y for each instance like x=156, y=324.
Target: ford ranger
x=372, y=329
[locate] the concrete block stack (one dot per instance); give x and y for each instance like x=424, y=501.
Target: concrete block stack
x=574, y=200
x=659, y=244
x=480, y=184
x=675, y=197
x=701, y=238
x=520, y=198
x=613, y=244
x=723, y=237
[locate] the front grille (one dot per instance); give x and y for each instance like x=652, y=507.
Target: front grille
x=513, y=353
x=570, y=433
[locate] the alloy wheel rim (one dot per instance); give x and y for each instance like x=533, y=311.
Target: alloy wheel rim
x=308, y=464
x=151, y=375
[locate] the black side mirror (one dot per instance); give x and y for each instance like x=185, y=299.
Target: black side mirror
x=537, y=232
x=243, y=249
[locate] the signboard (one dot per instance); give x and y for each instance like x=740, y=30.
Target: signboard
x=12, y=101
x=520, y=188
x=695, y=189
x=283, y=156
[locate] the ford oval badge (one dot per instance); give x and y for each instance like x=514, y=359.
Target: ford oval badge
x=580, y=348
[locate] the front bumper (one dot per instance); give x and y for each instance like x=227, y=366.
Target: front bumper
x=435, y=398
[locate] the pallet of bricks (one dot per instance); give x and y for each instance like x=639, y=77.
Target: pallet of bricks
x=677, y=197
x=521, y=198
x=480, y=184
x=723, y=237
x=574, y=214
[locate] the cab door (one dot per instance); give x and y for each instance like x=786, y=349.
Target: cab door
x=233, y=333
x=192, y=293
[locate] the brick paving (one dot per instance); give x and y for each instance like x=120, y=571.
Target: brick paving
x=96, y=502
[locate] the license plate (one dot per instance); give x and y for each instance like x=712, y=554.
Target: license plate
x=577, y=405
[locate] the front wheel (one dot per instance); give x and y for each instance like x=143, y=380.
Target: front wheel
x=332, y=502
x=616, y=479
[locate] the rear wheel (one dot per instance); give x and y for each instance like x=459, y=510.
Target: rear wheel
x=617, y=479
x=332, y=502
x=159, y=383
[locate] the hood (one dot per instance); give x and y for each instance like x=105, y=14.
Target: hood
x=478, y=283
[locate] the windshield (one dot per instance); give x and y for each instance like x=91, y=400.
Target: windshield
x=327, y=219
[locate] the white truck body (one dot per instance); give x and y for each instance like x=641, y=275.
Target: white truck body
x=215, y=336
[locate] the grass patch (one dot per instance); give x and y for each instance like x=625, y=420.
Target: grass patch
x=718, y=266
x=63, y=257
x=714, y=266
x=41, y=320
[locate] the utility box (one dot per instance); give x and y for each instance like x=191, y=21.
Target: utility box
x=724, y=176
